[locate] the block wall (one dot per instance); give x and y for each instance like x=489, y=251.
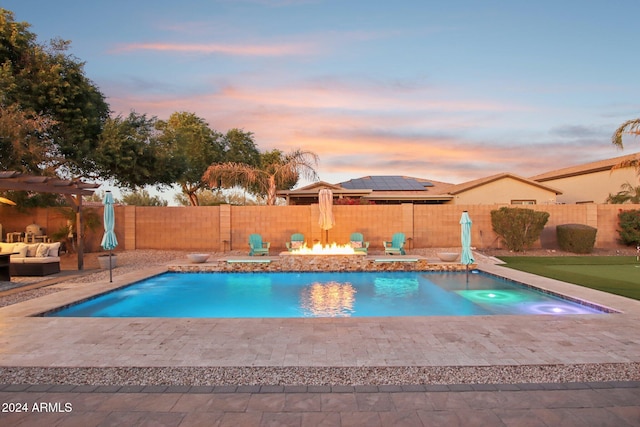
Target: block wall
x=194, y=228
x=224, y=228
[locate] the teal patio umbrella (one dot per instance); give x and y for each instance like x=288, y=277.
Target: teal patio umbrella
x=466, y=257
x=109, y=240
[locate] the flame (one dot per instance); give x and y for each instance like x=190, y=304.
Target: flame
x=318, y=249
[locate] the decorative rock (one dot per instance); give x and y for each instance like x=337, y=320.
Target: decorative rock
x=328, y=263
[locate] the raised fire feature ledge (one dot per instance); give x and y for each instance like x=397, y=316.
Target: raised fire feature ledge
x=319, y=263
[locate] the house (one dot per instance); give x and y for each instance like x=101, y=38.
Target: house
x=373, y=189
x=503, y=189
x=591, y=182
x=587, y=183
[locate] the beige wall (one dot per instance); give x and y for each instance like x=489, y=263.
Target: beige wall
x=594, y=187
x=220, y=228
x=503, y=191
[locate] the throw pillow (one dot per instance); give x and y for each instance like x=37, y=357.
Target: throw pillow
x=32, y=250
x=54, y=249
x=6, y=247
x=357, y=244
x=42, y=251
x=19, y=250
x=296, y=244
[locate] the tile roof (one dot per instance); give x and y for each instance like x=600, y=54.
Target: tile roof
x=585, y=168
x=456, y=189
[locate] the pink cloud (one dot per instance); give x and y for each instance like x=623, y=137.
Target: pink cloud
x=360, y=129
x=283, y=49
x=358, y=97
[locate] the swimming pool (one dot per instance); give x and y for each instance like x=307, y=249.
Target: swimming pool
x=301, y=295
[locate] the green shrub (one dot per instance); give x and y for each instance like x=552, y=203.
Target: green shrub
x=519, y=228
x=576, y=238
x=629, y=231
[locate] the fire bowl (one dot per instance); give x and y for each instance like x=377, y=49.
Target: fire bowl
x=448, y=256
x=198, y=258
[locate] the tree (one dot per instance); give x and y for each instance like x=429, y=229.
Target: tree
x=26, y=200
x=239, y=147
x=277, y=172
x=627, y=194
x=631, y=127
x=218, y=197
x=20, y=148
x=195, y=146
x=142, y=198
x=45, y=88
x=132, y=153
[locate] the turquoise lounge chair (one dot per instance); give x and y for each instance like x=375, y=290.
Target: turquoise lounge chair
x=396, y=245
x=297, y=240
x=358, y=244
x=258, y=247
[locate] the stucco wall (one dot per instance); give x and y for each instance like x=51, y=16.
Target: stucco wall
x=503, y=191
x=594, y=187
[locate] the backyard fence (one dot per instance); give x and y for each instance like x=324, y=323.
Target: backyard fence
x=224, y=228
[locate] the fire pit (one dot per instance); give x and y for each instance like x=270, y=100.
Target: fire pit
x=319, y=249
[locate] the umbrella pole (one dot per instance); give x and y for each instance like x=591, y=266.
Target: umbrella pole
x=110, y=274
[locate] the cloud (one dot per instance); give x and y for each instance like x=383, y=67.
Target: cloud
x=362, y=95
x=377, y=127
x=260, y=50
x=579, y=131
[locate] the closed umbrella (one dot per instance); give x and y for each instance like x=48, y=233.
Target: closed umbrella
x=325, y=203
x=466, y=257
x=109, y=241
x=7, y=201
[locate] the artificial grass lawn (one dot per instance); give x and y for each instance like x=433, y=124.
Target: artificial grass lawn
x=618, y=275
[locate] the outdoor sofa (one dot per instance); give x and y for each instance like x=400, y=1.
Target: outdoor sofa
x=37, y=259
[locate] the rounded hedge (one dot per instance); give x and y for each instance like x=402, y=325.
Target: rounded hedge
x=576, y=238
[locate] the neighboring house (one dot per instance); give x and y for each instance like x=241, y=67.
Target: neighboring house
x=503, y=189
x=587, y=183
x=308, y=195
x=395, y=189
x=590, y=182
x=374, y=189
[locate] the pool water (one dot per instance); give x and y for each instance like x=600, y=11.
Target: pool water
x=300, y=295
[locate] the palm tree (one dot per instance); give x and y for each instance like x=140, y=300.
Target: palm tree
x=627, y=194
x=630, y=126
x=276, y=172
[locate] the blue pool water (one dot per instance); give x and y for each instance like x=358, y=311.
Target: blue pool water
x=363, y=294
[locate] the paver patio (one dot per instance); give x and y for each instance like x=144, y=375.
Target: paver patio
x=353, y=342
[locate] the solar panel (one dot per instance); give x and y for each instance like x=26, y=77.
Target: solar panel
x=385, y=183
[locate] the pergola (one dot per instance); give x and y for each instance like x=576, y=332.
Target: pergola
x=73, y=190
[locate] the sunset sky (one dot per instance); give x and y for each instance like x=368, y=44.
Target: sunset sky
x=444, y=90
